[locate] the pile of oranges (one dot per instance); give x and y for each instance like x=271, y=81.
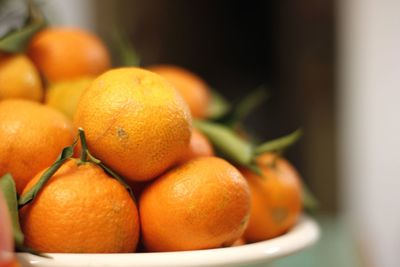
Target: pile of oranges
x=136, y=134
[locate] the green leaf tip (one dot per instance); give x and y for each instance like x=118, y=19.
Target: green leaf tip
x=226, y=141
x=16, y=41
x=124, y=49
x=66, y=154
x=8, y=188
x=279, y=144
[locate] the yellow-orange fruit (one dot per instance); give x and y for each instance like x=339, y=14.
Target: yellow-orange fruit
x=62, y=53
x=275, y=198
x=33, y=136
x=19, y=78
x=135, y=122
x=193, y=89
x=81, y=210
x=201, y=204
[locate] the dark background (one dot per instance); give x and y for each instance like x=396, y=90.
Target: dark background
x=238, y=45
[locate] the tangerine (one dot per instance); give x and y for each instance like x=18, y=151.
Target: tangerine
x=201, y=204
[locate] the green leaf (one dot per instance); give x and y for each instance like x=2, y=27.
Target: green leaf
x=85, y=155
x=66, y=153
x=279, y=144
x=227, y=142
x=246, y=106
x=17, y=40
x=310, y=202
x=118, y=178
x=7, y=186
x=218, y=106
x=125, y=51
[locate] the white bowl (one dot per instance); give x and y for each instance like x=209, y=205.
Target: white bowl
x=303, y=235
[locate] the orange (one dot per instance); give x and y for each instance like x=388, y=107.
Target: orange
x=135, y=122
x=62, y=53
x=33, y=136
x=199, y=146
x=64, y=96
x=201, y=204
x=19, y=78
x=81, y=210
x=275, y=198
x=193, y=89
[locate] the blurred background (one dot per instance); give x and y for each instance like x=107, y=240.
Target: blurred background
x=332, y=68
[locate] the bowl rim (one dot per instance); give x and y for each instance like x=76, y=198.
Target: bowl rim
x=304, y=234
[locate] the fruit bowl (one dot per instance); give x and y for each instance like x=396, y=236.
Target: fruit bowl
x=305, y=233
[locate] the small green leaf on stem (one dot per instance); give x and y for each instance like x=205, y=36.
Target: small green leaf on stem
x=7, y=186
x=247, y=105
x=218, y=106
x=310, y=202
x=227, y=142
x=118, y=178
x=124, y=48
x=66, y=154
x=86, y=156
x=17, y=40
x=279, y=144
x=84, y=149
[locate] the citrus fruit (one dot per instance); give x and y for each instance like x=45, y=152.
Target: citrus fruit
x=201, y=204
x=193, y=89
x=19, y=78
x=62, y=53
x=135, y=122
x=275, y=198
x=32, y=135
x=199, y=146
x=64, y=96
x=81, y=210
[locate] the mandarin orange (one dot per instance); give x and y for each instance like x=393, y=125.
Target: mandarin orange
x=193, y=89
x=62, y=53
x=135, y=122
x=275, y=198
x=33, y=136
x=204, y=203
x=80, y=210
x=19, y=78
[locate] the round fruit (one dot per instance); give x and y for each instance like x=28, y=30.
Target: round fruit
x=135, y=122
x=199, y=146
x=275, y=198
x=81, y=210
x=32, y=135
x=201, y=204
x=64, y=96
x=62, y=53
x=193, y=89
x=19, y=78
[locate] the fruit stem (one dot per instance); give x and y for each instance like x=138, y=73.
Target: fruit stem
x=84, y=148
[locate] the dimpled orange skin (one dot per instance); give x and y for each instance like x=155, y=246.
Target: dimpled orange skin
x=201, y=204
x=199, y=146
x=275, y=199
x=62, y=53
x=33, y=136
x=193, y=89
x=19, y=78
x=81, y=210
x=135, y=122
